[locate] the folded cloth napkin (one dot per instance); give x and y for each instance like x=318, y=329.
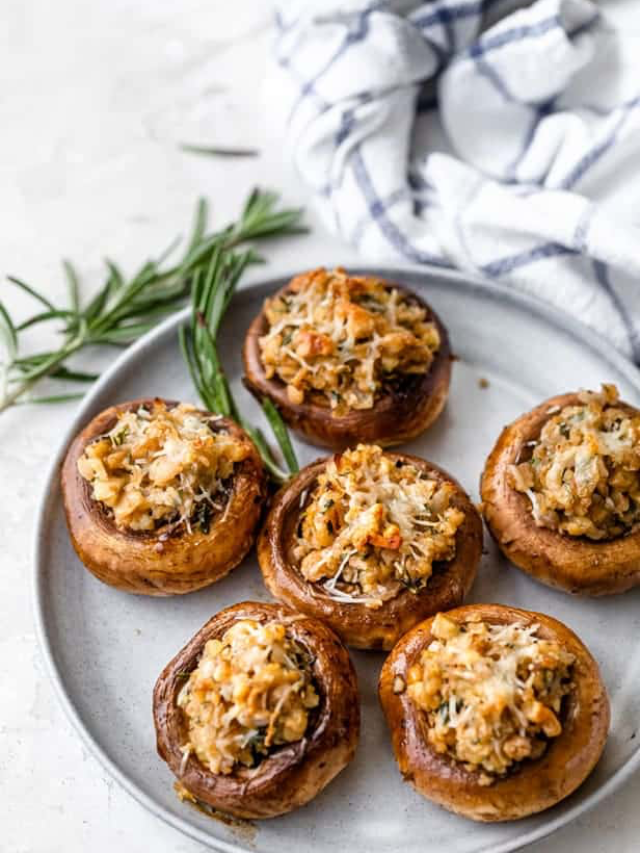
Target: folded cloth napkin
x=508, y=149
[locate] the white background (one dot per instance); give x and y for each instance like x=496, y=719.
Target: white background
x=94, y=97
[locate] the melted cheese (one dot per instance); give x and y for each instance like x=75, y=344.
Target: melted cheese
x=492, y=693
x=583, y=477
x=250, y=692
x=161, y=466
x=374, y=527
x=343, y=337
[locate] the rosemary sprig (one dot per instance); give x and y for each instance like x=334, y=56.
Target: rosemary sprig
x=125, y=308
x=210, y=298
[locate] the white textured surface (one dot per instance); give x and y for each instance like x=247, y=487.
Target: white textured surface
x=94, y=97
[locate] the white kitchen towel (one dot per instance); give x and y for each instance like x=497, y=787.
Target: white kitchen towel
x=461, y=134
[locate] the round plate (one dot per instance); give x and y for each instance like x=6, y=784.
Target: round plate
x=104, y=648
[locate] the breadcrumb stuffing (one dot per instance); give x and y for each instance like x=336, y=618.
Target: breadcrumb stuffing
x=343, y=337
x=492, y=693
x=161, y=466
x=251, y=691
x=375, y=526
x=583, y=474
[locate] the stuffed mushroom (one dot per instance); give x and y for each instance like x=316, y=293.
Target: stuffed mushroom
x=495, y=713
x=349, y=358
x=259, y=711
x=162, y=498
x=371, y=542
x=561, y=492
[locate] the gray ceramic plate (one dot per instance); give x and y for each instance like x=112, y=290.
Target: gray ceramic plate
x=104, y=648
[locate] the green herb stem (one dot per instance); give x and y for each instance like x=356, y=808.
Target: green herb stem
x=210, y=297
x=124, y=309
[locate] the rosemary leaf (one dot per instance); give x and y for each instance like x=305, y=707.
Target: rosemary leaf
x=281, y=433
x=194, y=372
x=277, y=473
x=57, y=313
x=9, y=331
x=73, y=375
x=30, y=361
x=54, y=398
x=218, y=151
x=31, y=291
x=93, y=310
x=199, y=224
x=73, y=283
x=125, y=334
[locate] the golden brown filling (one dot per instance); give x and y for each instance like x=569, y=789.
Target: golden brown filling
x=343, y=337
x=375, y=526
x=251, y=691
x=492, y=693
x=583, y=477
x=159, y=466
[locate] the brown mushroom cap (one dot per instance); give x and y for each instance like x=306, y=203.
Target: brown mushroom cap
x=293, y=774
x=403, y=413
x=571, y=563
x=360, y=626
x=535, y=785
x=143, y=562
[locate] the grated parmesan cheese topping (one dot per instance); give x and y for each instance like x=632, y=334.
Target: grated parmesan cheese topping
x=343, y=338
x=492, y=693
x=251, y=691
x=583, y=475
x=161, y=466
x=375, y=526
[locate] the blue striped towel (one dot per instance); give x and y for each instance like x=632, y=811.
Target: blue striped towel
x=467, y=134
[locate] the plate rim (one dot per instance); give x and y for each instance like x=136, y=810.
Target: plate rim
x=544, y=311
